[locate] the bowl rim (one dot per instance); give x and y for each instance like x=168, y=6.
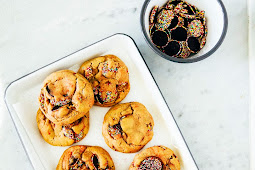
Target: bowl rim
x=187, y=60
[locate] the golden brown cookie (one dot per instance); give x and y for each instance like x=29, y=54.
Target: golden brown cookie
x=156, y=158
x=85, y=157
x=66, y=97
x=128, y=127
x=109, y=77
x=58, y=135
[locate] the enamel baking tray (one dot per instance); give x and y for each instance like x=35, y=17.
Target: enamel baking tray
x=21, y=99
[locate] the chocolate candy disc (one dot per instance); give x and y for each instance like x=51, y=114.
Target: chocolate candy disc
x=193, y=44
x=151, y=163
x=203, y=41
x=174, y=23
x=160, y=38
x=165, y=16
x=153, y=14
x=179, y=34
x=169, y=6
x=172, y=48
x=162, y=27
x=185, y=52
x=190, y=10
x=195, y=28
x=174, y=2
x=178, y=28
x=178, y=8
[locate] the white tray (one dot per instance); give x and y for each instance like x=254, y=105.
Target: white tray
x=21, y=100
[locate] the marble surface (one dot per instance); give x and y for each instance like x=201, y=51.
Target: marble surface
x=209, y=99
x=252, y=80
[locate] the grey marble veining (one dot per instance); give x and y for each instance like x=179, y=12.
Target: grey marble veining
x=209, y=99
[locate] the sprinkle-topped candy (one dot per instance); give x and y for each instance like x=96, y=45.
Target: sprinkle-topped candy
x=185, y=52
x=68, y=132
x=88, y=72
x=165, y=16
x=160, y=38
x=153, y=14
x=108, y=96
x=195, y=28
x=179, y=30
x=115, y=130
x=151, y=163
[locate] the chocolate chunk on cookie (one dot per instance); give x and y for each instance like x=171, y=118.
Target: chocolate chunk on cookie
x=156, y=158
x=65, y=97
x=62, y=135
x=109, y=77
x=128, y=127
x=85, y=157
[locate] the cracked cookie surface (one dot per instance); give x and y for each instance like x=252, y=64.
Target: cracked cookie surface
x=109, y=77
x=85, y=157
x=157, y=158
x=128, y=127
x=65, y=97
x=62, y=135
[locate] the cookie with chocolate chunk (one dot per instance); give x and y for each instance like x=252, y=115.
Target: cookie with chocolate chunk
x=156, y=158
x=62, y=135
x=109, y=77
x=128, y=127
x=85, y=157
x=65, y=97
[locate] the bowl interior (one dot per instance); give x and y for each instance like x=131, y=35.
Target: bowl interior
x=215, y=23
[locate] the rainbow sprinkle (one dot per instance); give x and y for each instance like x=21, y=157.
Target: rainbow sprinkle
x=196, y=28
x=151, y=163
x=185, y=52
x=41, y=100
x=106, y=69
x=153, y=13
x=165, y=16
x=88, y=72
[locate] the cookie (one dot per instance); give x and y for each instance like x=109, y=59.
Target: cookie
x=156, y=158
x=62, y=135
x=85, y=157
x=109, y=77
x=65, y=97
x=128, y=127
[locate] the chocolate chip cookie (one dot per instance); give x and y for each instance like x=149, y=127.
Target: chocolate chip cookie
x=65, y=97
x=62, y=135
x=156, y=158
x=109, y=77
x=128, y=127
x=85, y=157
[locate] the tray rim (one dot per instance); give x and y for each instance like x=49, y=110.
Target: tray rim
x=123, y=34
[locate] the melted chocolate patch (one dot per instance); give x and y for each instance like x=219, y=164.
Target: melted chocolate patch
x=55, y=108
x=98, y=98
x=159, y=38
x=95, y=161
x=48, y=90
x=72, y=160
x=179, y=34
x=151, y=163
x=172, y=48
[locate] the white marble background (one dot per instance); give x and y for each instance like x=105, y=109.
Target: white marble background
x=209, y=99
x=252, y=80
